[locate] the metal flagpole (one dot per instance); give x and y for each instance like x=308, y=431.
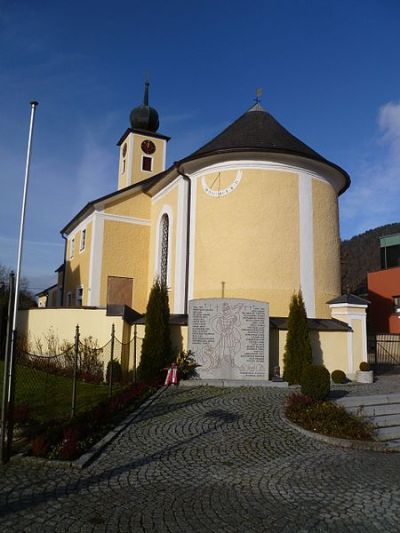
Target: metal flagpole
x=20, y=245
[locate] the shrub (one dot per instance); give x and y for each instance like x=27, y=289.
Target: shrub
x=326, y=418
x=69, y=449
x=156, y=347
x=338, y=376
x=365, y=367
x=40, y=445
x=316, y=382
x=298, y=353
x=116, y=372
x=22, y=413
x=89, y=360
x=186, y=364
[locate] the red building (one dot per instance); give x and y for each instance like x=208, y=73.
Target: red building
x=384, y=289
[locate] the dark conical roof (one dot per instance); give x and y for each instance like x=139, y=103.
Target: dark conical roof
x=144, y=117
x=257, y=129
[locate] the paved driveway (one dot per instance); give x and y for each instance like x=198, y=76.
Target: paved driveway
x=206, y=459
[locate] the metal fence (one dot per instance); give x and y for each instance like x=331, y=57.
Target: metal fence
x=384, y=352
x=57, y=386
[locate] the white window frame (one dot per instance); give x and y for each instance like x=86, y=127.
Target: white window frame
x=83, y=246
x=69, y=299
x=77, y=294
x=166, y=210
x=151, y=160
x=72, y=248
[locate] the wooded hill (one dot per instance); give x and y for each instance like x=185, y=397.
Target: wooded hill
x=360, y=255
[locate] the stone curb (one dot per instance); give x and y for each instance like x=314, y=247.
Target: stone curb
x=85, y=459
x=232, y=383
x=343, y=443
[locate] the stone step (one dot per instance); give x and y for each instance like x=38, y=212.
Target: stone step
x=386, y=420
x=393, y=444
x=376, y=399
x=388, y=433
x=375, y=410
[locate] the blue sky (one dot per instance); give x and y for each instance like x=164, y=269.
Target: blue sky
x=329, y=72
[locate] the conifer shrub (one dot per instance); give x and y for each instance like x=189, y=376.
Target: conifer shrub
x=116, y=372
x=156, y=347
x=338, y=376
x=365, y=367
x=316, y=382
x=298, y=352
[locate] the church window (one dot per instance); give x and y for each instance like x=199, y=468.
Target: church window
x=83, y=240
x=123, y=166
x=396, y=305
x=79, y=296
x=69, y=299
x=164, y=234
x=147, y=163
x=72, y=248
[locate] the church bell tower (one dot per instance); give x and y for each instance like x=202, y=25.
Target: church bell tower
x=142, y=150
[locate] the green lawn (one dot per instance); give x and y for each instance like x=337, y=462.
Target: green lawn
x=49, y=396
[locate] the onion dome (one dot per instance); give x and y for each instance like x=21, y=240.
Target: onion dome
x=144, y=117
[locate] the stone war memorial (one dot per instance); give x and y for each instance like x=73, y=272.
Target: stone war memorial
x=229, y=338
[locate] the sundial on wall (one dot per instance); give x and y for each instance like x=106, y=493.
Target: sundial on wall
x=218, y=184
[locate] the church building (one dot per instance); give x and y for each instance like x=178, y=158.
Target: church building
x=252, y=214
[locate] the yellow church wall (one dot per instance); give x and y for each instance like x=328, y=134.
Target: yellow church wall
x=168, y=201
x=249, y=239
x=158, y=157
x=135, y=206
x=326, y=246
x=123, y=162
x=125, y=253
x=77, y=267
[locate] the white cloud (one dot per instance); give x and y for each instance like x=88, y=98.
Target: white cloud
x=389, y=124
x=374, y=196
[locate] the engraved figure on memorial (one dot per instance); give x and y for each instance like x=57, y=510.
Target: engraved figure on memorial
x=226, y=325
x=209, y=359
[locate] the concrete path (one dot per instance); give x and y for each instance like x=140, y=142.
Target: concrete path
x=212, y=460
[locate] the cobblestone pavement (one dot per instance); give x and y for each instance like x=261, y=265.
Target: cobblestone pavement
x=212, y=460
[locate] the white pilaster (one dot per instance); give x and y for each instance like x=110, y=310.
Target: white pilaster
x=96, y=259
x=306, y=243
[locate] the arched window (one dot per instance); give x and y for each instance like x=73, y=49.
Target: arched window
x=164, y=234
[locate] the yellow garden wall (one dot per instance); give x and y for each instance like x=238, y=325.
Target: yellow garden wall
x=92, y=322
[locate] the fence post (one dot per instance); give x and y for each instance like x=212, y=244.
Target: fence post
x=76, y=355
x=134, y=351
x=110, y=374
x=4, y=403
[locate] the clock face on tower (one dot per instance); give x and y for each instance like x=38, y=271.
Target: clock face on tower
x=218, y=184
x=148, y=147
